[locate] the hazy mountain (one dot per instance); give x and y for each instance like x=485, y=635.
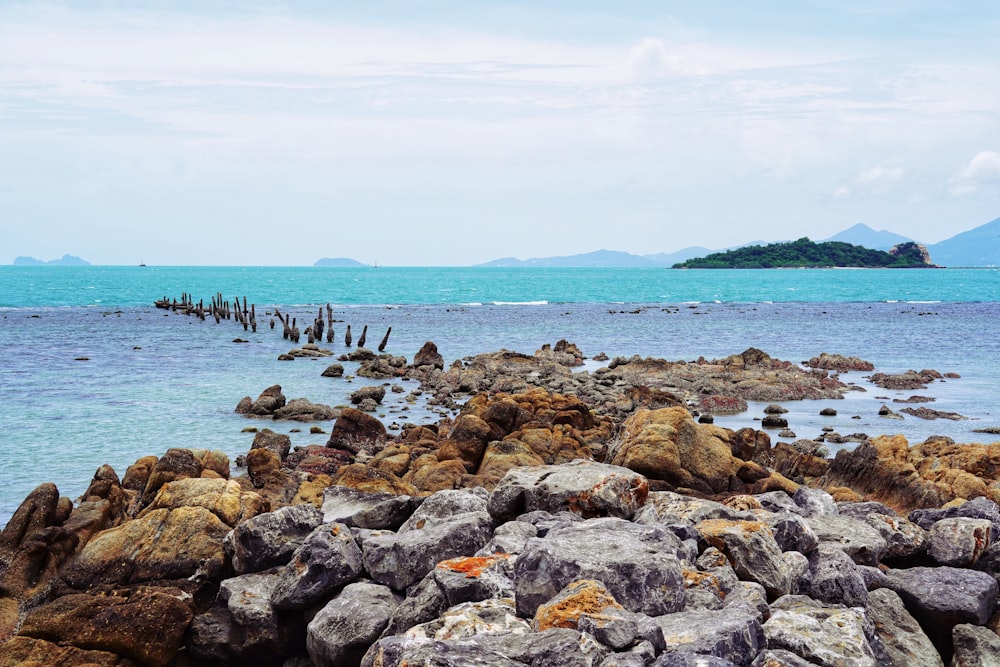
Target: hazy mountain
x=65, y=260
x=682, y=255
x=976, y=247
x=339, y=262
x=598, y=258
x=863, y=235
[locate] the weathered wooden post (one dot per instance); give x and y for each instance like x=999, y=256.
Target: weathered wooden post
x=364, y=336
x=385, y=340
x=347, y=336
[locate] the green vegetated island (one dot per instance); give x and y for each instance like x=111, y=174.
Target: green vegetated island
x=804, y=253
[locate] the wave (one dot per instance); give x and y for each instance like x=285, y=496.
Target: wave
x=520, y=303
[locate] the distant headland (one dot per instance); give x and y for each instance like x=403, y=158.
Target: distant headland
x=65, y=260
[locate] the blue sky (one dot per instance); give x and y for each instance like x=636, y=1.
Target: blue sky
x=452, y=133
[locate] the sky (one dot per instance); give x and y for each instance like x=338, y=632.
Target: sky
x=437, y=132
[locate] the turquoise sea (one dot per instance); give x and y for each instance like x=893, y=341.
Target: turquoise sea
x=154, y=379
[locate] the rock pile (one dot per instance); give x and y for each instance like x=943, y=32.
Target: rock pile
x=559, y=518
x=577, y=563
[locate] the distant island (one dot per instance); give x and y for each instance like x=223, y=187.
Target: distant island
x=339, y=262
x=65, y=260
x=804, y=253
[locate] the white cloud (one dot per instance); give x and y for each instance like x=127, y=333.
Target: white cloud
x=879, y=180
x=651, y=60
x=983, y=170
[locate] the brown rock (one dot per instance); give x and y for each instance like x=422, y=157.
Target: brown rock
x=363, y=478
x=667, y=444
x=175, y=464
x=137, y=475
x=224, y=498
x=438, y=476
x=585, y=597
x=839, y=363
x=355, y=431
x=146, y=625
x=469, y=436
x=28, y=652
x=270, y=400
x=311, y=490
x=36, y=511
x=162, y=545
x=905, y=478
x=428, y=356
x=279, y=443
x=502, y=455
x=793, y=463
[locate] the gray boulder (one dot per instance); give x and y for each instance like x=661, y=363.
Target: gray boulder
x=326, y=560
x=377, y=511
x=959, y=541
x=248, y=598
x=732, y=634
x=833, y=577
x=469, y=621
x=269, y=539
x=399, y=651
x=401, y=559
x=751, y=550
x=791, y=532
x=857, y=539
x=344, y=629
x=780, y=658
x=815, y=502
x=584, y=487
x=665, y=507
x=558, y=647
x=443, y=506
x=689, y=659
x=778, y=501
x=751, y=597
x=903, y=538
x=450, y=583
x=829, y=635
x=942, y=597
x=975, y=646
x=510, y=538
x=216, y=637
x=977, y=508
x=635, y=562
x=905, y=642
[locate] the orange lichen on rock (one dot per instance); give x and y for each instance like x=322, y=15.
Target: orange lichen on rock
x=583, y=597
x=473, y=566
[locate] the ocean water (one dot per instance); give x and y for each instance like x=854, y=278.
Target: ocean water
x=155, y=379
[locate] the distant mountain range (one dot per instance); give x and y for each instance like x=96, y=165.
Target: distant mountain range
x=976, y=247
x=65, y=260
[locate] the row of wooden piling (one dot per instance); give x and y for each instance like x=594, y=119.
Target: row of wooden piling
x=221, y=309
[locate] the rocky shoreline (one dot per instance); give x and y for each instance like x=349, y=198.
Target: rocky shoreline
x=549, y=517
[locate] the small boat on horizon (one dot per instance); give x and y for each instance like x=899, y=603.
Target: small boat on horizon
x=142, y=263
